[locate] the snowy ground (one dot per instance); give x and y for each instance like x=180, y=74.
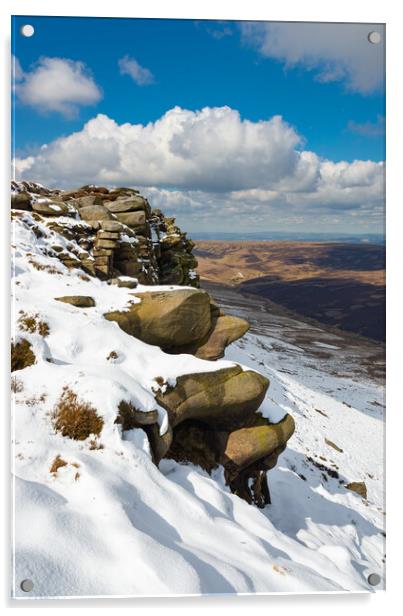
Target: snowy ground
x=110, y=523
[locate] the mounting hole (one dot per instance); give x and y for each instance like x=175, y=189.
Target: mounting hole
x=374, y=579
x=27, y=585
x=374, y=38
x=27, y=30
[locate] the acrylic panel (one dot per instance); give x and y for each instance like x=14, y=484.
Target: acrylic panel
x=198, y=344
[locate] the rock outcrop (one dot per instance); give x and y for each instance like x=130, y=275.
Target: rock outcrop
x=117, y=231
x=215, y=421
x=213, y=415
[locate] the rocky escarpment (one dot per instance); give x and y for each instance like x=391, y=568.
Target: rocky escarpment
x=117, y=231
x=214, y=412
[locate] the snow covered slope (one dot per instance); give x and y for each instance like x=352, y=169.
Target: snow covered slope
x=108, y=522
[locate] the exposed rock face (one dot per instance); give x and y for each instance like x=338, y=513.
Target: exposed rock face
x=119, y=232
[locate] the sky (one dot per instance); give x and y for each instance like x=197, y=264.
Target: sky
x=246, y=125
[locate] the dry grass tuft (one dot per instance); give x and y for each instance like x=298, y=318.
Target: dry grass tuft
x=21, y=355
x=57, y=463
x=75, y=418
x=31, y=323
x=126, y=416
x=50, y=269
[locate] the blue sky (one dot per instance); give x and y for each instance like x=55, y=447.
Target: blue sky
x=331, y=93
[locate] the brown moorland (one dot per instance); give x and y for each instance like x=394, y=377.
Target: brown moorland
x=336, y=283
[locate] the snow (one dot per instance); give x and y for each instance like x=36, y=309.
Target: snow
x=127, y=239
x=110, y=523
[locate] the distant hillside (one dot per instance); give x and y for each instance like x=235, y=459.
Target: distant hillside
x=336, y=283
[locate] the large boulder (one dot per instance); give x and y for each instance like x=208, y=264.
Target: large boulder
x=223, y=397
x=168, y=319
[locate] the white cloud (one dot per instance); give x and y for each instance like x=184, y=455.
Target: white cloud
x=212, y=149
x=141, y=75
x=56, y=84
x=211, y=166
x=335, y=52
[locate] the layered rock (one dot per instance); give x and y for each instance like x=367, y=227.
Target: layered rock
x=117, y=230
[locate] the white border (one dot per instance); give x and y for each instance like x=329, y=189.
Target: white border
x=285, y=10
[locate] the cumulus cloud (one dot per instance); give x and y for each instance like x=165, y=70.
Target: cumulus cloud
x=335, y=52
x=208, y=165
x=56, y=84
x=212, y=149
x=141, y=75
